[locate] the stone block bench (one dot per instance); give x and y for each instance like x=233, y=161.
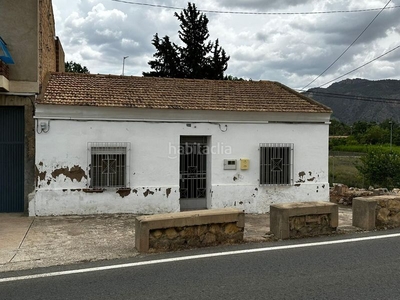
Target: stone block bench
x=301, y=219
x=172, y=231
x=376, y=212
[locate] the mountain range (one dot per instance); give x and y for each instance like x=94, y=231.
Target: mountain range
x=358, y=99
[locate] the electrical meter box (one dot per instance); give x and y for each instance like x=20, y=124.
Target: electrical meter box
x=229, y=164
x=244, y=163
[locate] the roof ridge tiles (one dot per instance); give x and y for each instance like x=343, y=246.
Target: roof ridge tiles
x=174, y=93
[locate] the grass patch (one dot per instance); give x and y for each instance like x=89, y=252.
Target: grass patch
x=342, y=170
x=365, y=148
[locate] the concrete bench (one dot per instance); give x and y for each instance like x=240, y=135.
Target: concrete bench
x=179, y=230
x=300, y=219
x=376, y=212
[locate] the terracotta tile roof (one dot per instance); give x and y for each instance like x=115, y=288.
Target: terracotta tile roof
x=172, y=93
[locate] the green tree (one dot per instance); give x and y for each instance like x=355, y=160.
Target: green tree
x=218, y=64
x=381, y=168
x=166, y=63
x=234, y=78
x=359, y=130
x=197, y=58
x=73, y=67
x=376, y=135
x=337, y=128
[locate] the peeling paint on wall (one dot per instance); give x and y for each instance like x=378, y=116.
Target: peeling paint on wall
x=147, y=192
x=76, y=172
x=93, y=190
x=40, y=176
x=301, y=179
x=222, y=189
x=124, y=192
x=238, y=177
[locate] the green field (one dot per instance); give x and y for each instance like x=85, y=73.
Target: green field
x=342, y=170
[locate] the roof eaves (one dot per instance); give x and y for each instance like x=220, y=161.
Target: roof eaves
x=311, y=101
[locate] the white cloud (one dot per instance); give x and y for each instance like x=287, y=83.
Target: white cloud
x=292, y=49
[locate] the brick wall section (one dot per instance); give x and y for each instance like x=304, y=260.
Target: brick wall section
x=47, y=44
x=60, y=56
x=4, y=70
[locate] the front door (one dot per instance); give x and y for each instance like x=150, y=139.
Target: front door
x=11, y=159
x=193, y=172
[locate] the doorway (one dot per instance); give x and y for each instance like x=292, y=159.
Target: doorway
x=12, y=134
x=193, y=172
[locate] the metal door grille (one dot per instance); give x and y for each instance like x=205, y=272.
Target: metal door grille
x=193, y=167
x=12, y=159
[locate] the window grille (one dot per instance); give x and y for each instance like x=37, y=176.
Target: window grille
x=276, y=164
x=108, y=164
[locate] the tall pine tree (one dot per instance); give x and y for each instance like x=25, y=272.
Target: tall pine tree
x=198, y=58
x=167, y=63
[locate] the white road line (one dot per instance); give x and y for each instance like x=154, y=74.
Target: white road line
x=200, y=256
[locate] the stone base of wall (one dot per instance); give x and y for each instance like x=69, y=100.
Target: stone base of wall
x=167, y=232
x=378, y=212
x=310, y=225
x=388, y=213
x=303, y=219
x=177, y=238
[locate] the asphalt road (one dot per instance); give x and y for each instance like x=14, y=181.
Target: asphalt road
x=368, y=269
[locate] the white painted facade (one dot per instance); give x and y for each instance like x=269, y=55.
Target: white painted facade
x=154, y=135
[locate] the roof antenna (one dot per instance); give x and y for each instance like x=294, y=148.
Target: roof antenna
x=123, y=64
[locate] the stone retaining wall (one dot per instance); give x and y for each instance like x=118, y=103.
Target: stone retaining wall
x=303, y=219
x=388, y=213
x=166, y=232
x=310, y=225
x=376, y=212
x=176, y=238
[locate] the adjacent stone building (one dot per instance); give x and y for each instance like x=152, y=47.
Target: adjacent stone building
x=29, y=48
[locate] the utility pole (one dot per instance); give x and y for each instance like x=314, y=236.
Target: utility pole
x=391, y=134
x=123, y=65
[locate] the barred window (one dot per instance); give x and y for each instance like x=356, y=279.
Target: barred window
x=108, y=164
x=276, y=164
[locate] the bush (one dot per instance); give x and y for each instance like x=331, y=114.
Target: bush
x=381, y=167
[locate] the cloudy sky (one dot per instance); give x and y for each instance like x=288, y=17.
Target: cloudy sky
x=290, y=48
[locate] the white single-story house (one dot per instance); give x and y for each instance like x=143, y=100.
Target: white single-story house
x=124, y=144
